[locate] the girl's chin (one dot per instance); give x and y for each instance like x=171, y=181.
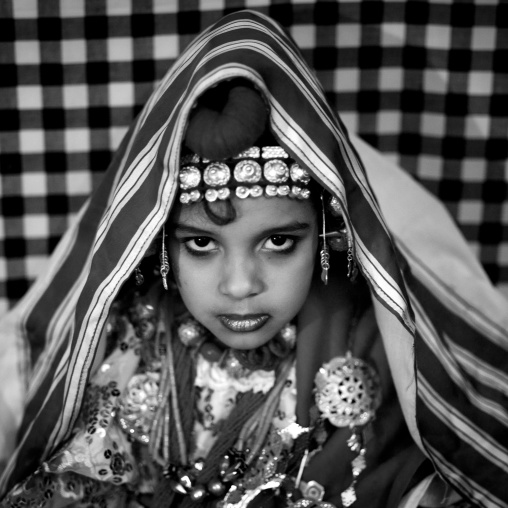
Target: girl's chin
x=250, y=340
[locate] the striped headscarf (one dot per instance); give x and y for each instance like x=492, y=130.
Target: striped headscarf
x=449, y=356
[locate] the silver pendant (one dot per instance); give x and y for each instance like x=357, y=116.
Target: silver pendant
x=348, y=391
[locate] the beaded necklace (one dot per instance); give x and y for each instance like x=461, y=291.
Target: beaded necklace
x=347, y=395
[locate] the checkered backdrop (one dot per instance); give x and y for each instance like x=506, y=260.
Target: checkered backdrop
x=424, y=81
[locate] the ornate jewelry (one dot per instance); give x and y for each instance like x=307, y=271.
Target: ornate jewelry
x=138, y=406
x=258, y=171
x=324, y=254
x=348, y=394
x=164, y=260
x=138, y=276
x=338, y=240
x=347, y=391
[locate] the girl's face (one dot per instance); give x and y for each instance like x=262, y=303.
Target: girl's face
x=244, y=281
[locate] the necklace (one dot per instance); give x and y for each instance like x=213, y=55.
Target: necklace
x=347, y=394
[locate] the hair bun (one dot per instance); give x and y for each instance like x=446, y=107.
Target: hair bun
x=227, y=119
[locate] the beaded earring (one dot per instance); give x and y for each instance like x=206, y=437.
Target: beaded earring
x=164, y=260
x=324, y=254
x=138, y=276
x=338, y=240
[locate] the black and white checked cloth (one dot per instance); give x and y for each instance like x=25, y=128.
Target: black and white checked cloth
x=424, y=81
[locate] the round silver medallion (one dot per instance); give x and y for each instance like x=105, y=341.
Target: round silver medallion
x=348, y=391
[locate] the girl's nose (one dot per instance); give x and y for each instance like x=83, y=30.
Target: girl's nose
x=241, y=278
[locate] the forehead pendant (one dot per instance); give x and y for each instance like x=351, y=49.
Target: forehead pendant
x=258, y=171
x=347, y=394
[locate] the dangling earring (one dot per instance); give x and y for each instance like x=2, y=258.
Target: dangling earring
x=324, y=254
x=352, y=269
x=164, y=260
x=340, y=240
x=138, y=276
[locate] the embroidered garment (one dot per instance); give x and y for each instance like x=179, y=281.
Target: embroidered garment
x=443, y=327
x=102, y=465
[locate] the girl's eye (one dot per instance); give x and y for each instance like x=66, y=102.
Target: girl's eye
x=280, y=243
x=200, y=244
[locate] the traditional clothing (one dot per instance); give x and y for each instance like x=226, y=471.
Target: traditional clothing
x=443, y=328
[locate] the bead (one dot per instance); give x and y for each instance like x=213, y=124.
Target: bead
x=216, y=488
x=199, y=465
x=271, y=190
x=256, y=191
x=233, y=366
x=224, y=193
x=335, y=207
x=313, y=490
x=288, y=334
x=184, y=478
x=283, y=190
x=177, y=487
x=211, y=195
x=242, y=192
x=211, y=352
x=348, y=497
x=190, y=333
x=224, y=464
x=198, y=493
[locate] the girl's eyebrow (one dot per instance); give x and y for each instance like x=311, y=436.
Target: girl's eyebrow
x=291, y=227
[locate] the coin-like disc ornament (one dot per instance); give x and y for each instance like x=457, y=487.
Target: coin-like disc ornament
x=348, y=391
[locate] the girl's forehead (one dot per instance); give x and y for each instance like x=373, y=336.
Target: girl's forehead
x=249, y=212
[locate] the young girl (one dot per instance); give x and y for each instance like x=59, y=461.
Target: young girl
x=229, y=323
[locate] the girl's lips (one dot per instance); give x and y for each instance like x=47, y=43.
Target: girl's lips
x=245, y=323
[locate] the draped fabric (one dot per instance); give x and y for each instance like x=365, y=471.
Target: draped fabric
x=456, y=404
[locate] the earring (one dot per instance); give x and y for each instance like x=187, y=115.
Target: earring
x=340, y=240
x=352, y=269
x=324, y=254
x=138, y=276
x=164, y=260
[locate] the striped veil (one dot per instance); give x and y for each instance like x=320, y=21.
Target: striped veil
x=449, y=355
